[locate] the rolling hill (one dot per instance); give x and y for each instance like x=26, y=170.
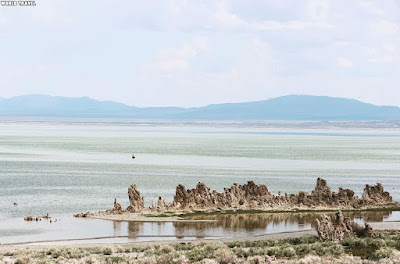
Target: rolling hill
x=292, y=107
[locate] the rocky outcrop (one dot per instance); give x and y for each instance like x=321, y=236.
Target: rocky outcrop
x=160, y=206
x=375, y=194
x=39, y=218
x=322, y=195
x=83, y=215
x=32, y=218
x=117, y=207
x=248, y=195
x=136, y=202
x=337, y=228
x=253, y=196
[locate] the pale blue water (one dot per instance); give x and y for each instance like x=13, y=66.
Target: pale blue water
x=72, y=167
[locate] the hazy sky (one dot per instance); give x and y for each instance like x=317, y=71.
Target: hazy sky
x=192, y=53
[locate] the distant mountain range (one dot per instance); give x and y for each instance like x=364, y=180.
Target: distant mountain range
x=292, y=107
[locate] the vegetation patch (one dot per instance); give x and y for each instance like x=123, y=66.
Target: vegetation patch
x=385, y=248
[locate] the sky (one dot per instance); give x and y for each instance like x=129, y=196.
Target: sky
x=195, y=53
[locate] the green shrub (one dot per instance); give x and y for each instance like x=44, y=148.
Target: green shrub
x=184, y=246
x=199, y=254
x=289, y=252
x=107, y=251
x=10, y=254
x=95, y=250
x=375, y=242
x=241, y=253
x=55, y=253
x=321, y=249
x=300, y=240
x=336, y=250
x=114, y=259
x=391, y=243
x=256, y=260
x=271, y=251
x=164, y=259
x=303, y=248
x=24, y=260
x=233, y=244
x=165, y=249
x=383, y=252
x=224, y=256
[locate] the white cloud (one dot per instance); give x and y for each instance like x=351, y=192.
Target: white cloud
x=184, y=51
x=388, y=47
x=385, y=27
x=318, y=10
x=341, y=43
x=178, y=58
x=368, y=51
x=344, y=62
x=233, y=21
x=2, y=19
x=290, y=25
x=383, y=53
x=372, y=8
x=187, y=51
x=172, y=64
x=228, y=18
x=176, y=7
x=384, y=59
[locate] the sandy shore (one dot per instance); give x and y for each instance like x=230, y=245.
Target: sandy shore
x=395, y=225
x=33, y=244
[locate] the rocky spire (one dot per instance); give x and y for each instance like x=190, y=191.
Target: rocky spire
x=136, y=202
x=338, y=227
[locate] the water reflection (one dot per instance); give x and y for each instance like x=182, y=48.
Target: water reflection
x=227, y=226
x=261, y=221
x=239, y=225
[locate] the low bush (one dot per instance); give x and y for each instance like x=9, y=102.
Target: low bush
x=115, y=259
x=375, y=243
x=383, y=252
x=307, y=249
x=224, y=256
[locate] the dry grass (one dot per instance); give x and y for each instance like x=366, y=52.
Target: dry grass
x=306, y=249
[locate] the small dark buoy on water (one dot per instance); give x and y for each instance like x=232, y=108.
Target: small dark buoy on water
x=133, y=156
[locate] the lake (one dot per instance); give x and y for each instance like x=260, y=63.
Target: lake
x=74, y=166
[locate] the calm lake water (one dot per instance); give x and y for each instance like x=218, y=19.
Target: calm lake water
x=76, y=166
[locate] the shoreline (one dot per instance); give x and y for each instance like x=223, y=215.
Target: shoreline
x=278, y=235
x=379, y=226
x=299, y=247
x=179, y=216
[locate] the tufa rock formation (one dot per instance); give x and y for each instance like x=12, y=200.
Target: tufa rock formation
x=136, y=202
x=338, y=227
x=248, y=195
x=375, y=194
x=83, y=215
x=117, y=207
x=32, y=218
x=160, y=206
x=37, y=218
x=257, y=197
x=323, y=196
x=253, y=196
